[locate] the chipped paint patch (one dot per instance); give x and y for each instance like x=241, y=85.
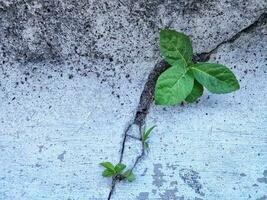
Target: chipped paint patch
x=158, y=177
x=143, y=196
x=171, y=194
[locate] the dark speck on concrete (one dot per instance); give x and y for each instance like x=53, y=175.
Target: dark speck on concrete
x=70, y=76
x=41, y=148
x=61, y=156
x=264, y=178
x=243, y=174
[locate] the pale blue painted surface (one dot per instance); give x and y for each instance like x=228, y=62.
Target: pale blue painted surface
x=79, y=94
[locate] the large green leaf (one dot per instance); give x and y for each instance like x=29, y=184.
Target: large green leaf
x=175, y=46
x=196, y=92
x=215, y=77
x=174, y=85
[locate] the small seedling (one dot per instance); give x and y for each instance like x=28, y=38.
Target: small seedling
x=184, y=80
x=117, y=172
x=145, y=137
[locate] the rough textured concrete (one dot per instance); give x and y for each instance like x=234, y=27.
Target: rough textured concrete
x=215, y=149
x=71, y=76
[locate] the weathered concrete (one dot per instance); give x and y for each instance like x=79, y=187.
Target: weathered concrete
x=215, y=149
x=71, y=76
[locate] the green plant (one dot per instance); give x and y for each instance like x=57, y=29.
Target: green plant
x=117, y=172
x=184, y=80
x=145, y=137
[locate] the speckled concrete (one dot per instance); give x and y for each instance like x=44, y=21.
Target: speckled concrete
x=71, y=76
x=215, y=149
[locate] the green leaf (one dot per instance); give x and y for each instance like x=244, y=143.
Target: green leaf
x=108, y=173
x=174, y=85
x=147, y=133
x=108, y=165
x=215, y=77
x=129, y=175
x=196, y=92
x=146, y=145
x=175, y=46
x=120, y=167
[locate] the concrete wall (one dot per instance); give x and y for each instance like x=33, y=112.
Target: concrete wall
x=71, y=76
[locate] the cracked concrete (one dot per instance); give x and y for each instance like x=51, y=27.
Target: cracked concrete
x=72, y=74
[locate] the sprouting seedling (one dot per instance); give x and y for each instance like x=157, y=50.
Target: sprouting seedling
x=184, y=80
x=145, y=137
x=117, y=172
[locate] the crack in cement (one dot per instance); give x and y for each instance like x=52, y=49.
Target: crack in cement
x=205, y=56
x=147, y=94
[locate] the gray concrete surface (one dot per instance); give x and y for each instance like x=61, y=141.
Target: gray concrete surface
x=71, y=76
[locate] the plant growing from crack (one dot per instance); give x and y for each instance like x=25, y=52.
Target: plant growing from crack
x=172, y=82
x=184, y=80
x=117, y=172
x=146, y=136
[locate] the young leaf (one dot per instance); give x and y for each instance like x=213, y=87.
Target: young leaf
x=215, y=77
x=108, y=165
x=120, y=167
x=174, y=85
x=108, y=173
x=196, y=92
x=175, y=46
x=147, y=133
x=146, y=145
x=129, y=175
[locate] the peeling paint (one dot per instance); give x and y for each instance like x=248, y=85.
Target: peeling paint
x=143, y=196
x=171, y=194
x=158, y=177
